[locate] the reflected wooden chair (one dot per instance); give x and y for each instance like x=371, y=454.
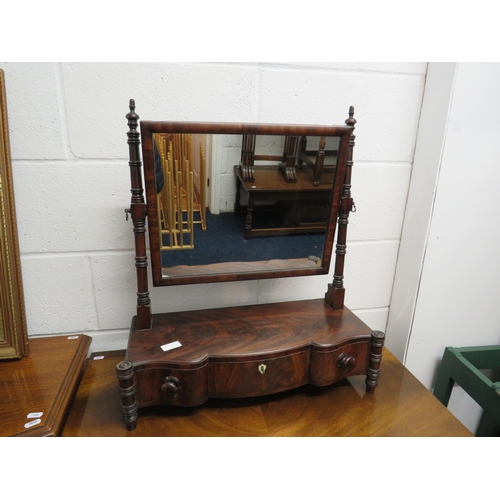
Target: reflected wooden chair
x=320, y=159
x=286, y=162
x=465, y=366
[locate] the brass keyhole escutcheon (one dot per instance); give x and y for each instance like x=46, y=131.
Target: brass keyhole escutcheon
x=262, y=369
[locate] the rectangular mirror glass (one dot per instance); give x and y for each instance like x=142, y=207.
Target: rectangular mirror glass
x=229, y=201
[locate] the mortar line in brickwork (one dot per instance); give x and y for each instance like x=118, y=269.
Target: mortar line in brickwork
x=75, y=253
x=370, y=242
x=353, y=71
x=75, y=160
x=63, y=116
x=258, y=85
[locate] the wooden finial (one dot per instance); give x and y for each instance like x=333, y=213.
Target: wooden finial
x=132, y=116
x=351, y=121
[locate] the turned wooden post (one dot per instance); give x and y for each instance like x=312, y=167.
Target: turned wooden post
x=138, y=213
x=373, y=372
x=336, y=292
x=125, y=374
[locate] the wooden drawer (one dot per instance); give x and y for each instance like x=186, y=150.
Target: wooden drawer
x=172, y=386
x=256, y=377
x=233, y=378
x=330, y=366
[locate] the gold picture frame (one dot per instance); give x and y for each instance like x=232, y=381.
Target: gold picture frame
x=13, y=330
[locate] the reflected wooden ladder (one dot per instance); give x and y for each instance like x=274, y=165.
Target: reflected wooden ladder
x=180, y=199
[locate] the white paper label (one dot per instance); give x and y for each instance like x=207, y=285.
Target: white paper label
x=172, y=345
x=73, y=337
x=32, y=423
x=97, y=358
x=36, y=414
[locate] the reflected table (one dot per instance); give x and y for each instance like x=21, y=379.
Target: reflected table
x=305, y=207
x=401, y=406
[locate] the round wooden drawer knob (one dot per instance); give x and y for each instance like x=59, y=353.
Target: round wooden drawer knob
x=170, y=387
x=346, y=362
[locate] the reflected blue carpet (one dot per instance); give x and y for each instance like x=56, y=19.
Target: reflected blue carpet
x=224, y=241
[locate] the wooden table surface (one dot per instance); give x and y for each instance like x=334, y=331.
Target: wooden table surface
x=272, y=180
x=36, y=391
x=401, y=406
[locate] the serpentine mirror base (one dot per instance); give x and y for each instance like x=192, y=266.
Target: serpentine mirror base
x=238, y=352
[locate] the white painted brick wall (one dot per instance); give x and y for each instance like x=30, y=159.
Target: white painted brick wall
x=71, y=177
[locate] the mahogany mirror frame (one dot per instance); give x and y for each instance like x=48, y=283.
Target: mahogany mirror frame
x=13, y=329
x=148, y=128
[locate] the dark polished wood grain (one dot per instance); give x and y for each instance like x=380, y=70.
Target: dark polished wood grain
x=244, y=351
x=401, y=406
x=244, y=332
x=43, y=382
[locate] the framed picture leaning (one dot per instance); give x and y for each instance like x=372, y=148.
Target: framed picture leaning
x=13, y=330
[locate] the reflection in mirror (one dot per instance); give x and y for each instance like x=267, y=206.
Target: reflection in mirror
x=272, y=210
